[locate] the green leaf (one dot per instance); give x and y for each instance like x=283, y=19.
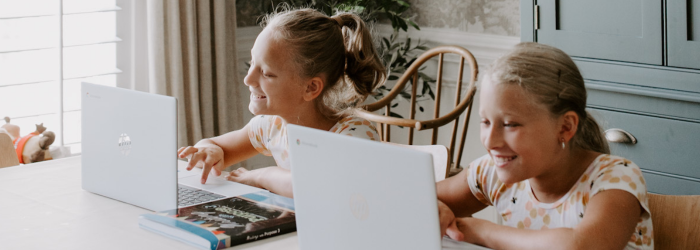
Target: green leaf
x=413, y=24
x=386, y=42
x=392, y=77
x=421, y=47
x=392, y=114
x=403, y=3
x=430, y=92
x=403, y=24
x=420, y=108
x=394, y=105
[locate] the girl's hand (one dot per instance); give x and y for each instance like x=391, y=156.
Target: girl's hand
x=448, y=223
x=206, y=157
x=244, y=176
x=472, y=229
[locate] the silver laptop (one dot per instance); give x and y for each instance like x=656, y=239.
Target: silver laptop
x=129, y=152
x=352, y=193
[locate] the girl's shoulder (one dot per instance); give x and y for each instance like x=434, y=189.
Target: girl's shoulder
x=607, y=163
x=266, y=124
x=356, y=126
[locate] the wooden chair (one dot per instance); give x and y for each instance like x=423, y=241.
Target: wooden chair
x=676, y=220
x=8, y=155
x=441, y=158
x=462, y=104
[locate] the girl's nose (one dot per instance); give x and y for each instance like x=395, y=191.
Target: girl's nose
x=249, y=79
x=491, y=138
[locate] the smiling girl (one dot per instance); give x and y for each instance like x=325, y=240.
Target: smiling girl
x=306, y=69
x=548, y=171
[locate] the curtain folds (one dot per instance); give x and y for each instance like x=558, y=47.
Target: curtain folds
x=192, y=56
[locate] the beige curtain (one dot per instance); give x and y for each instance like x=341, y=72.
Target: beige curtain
x=192, y=56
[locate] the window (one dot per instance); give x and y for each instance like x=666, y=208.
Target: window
x=47, y=47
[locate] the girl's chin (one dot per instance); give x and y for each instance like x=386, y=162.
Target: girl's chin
x=507, y=178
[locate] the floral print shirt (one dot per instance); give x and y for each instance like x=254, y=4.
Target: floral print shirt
x=268, y=134
x=520, y=209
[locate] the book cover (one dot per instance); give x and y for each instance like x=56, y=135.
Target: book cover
x=228, y=222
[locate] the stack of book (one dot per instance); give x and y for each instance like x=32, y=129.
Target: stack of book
x=224, y=223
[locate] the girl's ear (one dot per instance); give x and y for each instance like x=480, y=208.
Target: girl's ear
x=568, y=125
x=314, y=87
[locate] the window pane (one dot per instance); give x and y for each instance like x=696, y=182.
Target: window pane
x=71, y=127
x=29, y=99
x=83, y=61
x=89, y=28
x=28, y=33
x=16, y=8
x=72, y=6
x=71, y=89
x=27, y=125
x=28, y=66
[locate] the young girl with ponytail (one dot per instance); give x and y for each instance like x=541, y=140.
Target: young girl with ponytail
x=548, y=171
x=307, y=69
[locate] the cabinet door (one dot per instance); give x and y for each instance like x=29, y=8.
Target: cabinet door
x=621, y=30
x=684, y=33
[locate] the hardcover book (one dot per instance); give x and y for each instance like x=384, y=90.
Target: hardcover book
x=228, y=222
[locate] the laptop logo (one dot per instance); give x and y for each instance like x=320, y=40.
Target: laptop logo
x=124, y=144
x=359, y=206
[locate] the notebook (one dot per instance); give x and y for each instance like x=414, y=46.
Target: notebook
x=129, y=151
x=353, y=193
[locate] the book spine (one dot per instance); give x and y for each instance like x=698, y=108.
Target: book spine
x=264, y=233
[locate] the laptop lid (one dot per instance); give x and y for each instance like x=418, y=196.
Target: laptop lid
x=129, y=146
x=352, y=193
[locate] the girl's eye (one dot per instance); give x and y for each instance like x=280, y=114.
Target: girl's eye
x=511, y=124
x=485, y=122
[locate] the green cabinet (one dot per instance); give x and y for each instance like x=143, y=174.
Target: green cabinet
x=641, y=63
x=684, y=33
x=623, y=30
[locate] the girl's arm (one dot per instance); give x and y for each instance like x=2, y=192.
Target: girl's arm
x=275, y=179
x=455, y=199
x=219, y=152
x=457, y=195
x=609, y=221
x=236, y=146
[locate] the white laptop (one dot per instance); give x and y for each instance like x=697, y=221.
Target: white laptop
x=129, y=151
x=352, y=193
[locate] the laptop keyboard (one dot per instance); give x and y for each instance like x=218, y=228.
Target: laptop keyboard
x=188, y=196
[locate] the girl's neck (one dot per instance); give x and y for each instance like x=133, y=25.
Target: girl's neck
x=312, y=119
x=551, y=186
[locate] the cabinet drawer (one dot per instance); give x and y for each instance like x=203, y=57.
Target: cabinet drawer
x=663, y=145
x=662, y=184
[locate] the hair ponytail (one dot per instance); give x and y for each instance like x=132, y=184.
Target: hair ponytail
x=590, y=136
x=363, y=66
x=549, y=74
x=338, y=48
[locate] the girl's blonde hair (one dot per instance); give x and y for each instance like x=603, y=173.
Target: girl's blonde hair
x=552, y=78
x=338, y=48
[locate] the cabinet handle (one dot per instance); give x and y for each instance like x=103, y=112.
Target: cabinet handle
x=620, y=136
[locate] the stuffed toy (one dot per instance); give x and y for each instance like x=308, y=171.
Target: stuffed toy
x=33, y=147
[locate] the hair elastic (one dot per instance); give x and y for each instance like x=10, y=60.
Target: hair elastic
x=338, y=20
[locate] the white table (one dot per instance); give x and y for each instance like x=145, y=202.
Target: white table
x=42, y=206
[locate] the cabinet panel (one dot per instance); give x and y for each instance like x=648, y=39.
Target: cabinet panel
x=684, y=33
x=622, y=30
x=662, y=184
x=663, y=145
